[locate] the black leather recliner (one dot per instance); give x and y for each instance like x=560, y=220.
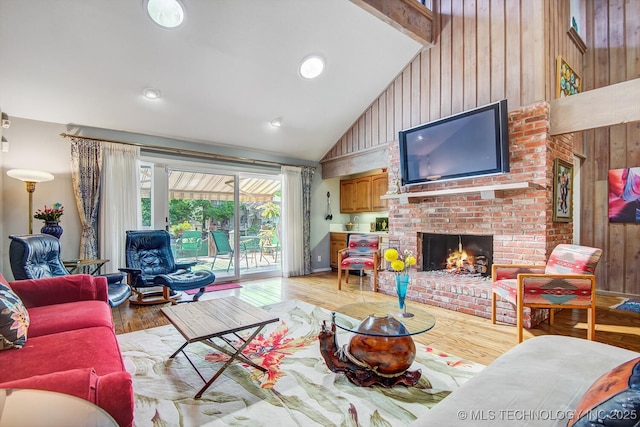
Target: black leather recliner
x=152, y=272
x=34, y=256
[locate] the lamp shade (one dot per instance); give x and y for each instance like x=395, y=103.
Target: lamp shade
x=28, y=175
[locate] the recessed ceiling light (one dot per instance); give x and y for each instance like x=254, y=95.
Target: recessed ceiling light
x=311, y=67
x=166, y=13
x=277, y=122
x=151, y=93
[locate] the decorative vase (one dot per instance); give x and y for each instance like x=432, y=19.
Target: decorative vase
x=402, y=283
x=381, y=345
x=52, y=228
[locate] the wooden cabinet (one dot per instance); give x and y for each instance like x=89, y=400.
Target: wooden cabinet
x=379, y=187
x=362, y=194
x=337, y=241
x=347, y=196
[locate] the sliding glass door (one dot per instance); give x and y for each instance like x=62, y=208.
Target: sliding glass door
x=225, y=222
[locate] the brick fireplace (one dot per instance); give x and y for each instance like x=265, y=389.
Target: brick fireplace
x=518, y=215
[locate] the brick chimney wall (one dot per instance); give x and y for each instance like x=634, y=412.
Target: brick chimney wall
x=521, y=221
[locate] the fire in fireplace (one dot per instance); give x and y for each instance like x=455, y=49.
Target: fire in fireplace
x=457, y=254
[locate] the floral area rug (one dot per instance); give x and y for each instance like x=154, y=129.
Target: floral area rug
x=629, y=305
x=297, y=390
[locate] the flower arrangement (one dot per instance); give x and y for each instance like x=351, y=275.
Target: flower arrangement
x=400, y=263
x=50, y=214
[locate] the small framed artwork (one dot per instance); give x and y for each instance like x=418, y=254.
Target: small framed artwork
x=568, y=81
x=562, y=191
x=624, y=195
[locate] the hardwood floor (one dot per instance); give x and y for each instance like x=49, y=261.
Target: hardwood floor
x=463, y=335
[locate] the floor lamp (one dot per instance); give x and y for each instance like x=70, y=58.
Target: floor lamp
x=30, y=178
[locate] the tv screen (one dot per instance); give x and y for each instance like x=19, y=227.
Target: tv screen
x=471, y=143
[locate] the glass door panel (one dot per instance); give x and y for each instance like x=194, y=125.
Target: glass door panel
x=260, y=226
x=202, y=219
x=146, y=181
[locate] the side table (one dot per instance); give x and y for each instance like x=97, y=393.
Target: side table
x=77, y=266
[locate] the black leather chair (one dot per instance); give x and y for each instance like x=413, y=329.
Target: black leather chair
x=152, y=272
x=34, y=256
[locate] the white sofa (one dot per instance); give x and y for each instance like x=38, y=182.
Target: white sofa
x=536, y=383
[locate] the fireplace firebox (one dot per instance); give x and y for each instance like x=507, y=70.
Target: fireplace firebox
x=457, y=253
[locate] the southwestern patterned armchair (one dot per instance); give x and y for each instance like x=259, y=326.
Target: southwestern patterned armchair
x=362, y=254
x=566, y=281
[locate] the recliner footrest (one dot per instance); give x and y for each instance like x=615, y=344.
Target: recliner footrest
x=185, y=281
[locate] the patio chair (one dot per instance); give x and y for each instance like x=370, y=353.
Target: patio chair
x=189, y=242
x=222, y=246
x=270, y=243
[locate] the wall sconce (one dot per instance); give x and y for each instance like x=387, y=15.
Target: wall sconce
x=30, y=178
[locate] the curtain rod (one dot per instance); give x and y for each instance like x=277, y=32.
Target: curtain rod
x=187, y=152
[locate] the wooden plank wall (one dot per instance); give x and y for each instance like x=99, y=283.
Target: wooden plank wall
x=613, y=56
x=484, y=51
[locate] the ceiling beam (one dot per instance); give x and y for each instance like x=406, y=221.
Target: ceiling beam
x=606, y=106
x=408, y=16
x=361, y=161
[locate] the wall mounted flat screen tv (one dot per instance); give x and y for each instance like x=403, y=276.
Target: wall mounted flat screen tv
x=471, y=143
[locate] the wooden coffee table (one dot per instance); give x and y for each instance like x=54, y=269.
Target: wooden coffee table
x=202, y=321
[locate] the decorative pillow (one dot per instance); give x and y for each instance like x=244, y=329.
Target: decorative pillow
x=14, y=319
x=613, y=400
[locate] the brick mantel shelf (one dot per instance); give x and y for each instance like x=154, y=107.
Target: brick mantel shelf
x=487, y=192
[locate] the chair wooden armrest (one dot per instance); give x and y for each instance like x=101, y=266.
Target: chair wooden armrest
x=511, y=271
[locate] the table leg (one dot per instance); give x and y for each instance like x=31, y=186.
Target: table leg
x=179, y=350
x=235, y=355
x=97, y=269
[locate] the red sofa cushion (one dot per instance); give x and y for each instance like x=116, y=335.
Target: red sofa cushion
x=50, y=319
x=61, y=289
x=95, y=348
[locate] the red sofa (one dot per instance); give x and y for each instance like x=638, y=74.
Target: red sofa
x=71, y=344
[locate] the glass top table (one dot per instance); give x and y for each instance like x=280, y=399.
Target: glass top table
x=349, y=318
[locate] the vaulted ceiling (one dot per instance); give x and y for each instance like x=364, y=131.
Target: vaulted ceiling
x=223, y=75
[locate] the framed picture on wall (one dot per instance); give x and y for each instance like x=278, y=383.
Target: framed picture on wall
x=568, y=81
x=562, y=191
x=624, y=195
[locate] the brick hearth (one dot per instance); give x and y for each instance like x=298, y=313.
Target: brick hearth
x=521, y=220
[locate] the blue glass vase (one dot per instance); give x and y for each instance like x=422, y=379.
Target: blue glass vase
x=52, y=228
x=402, y=283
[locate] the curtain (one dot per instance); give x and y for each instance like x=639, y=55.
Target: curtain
x=296, y=202
x=86, y=163
x=119, y=202
x=307, y=177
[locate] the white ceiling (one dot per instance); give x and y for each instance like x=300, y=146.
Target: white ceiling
x=224, y=75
